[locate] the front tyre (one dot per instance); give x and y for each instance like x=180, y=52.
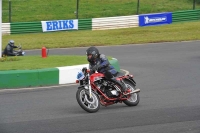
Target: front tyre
x=90, y=105
x=133, y=99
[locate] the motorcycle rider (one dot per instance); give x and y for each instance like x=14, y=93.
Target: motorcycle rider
x=100, y=63
x=8, y=51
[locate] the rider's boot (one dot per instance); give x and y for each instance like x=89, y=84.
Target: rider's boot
x=122, y=85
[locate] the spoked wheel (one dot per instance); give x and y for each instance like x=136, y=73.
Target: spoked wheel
x=90, y=105
x=133, y=99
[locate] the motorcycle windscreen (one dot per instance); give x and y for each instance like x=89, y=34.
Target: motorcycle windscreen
x=80, y=76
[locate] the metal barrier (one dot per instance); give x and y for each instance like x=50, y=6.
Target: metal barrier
x=25, y=27
x=115, y=22
x=98, y=23
x=5, y=28
x=189, y=15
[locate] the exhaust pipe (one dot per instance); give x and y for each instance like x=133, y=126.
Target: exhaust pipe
x=135, y=91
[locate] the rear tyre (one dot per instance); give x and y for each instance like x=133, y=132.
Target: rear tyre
x=133, y=99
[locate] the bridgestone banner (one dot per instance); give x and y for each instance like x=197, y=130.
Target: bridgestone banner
x=57, y=25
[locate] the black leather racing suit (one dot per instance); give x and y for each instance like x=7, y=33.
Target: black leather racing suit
x=8, y=51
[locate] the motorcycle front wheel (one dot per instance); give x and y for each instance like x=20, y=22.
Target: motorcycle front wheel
x=89, y=104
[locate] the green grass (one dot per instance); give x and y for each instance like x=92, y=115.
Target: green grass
x=37, y=62
x=38, y=10
x=165, y=33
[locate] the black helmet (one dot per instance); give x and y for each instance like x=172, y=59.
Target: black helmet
x=92, y=51
x=11, y=42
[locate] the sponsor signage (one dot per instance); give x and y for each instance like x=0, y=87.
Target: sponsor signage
x=57, y=25
x=155, y=19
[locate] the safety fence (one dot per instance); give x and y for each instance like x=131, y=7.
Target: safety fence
x=189, y=15
x=25, y=27
x=101, y=23
x=115, y=22
x=5, y=28
x=85, y=24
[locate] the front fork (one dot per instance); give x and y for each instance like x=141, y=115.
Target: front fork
x=89, y=87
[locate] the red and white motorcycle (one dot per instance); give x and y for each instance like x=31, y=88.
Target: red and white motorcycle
x=94, y=90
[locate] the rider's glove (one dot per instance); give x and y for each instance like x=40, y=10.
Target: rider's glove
x=99, y=67
x=84, y=69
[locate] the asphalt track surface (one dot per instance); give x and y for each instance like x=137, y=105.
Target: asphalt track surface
x=168, y=75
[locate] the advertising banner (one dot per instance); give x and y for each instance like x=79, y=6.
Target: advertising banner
x=57, y=25
x=155, y=19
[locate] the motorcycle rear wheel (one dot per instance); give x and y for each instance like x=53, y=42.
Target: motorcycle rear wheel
x=133, y=99
x=90, y=105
